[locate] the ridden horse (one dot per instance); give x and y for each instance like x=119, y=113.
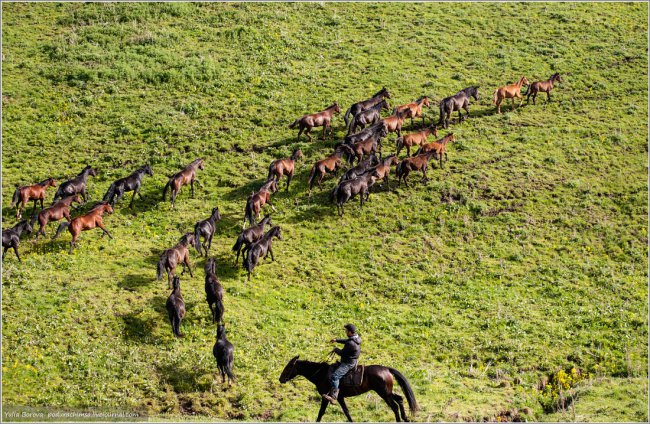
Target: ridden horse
x=61, y=209
x=332, y=163
x=361, y=168
x=213, y=291
x=543, y=86
x=383, y=169
x=320, y=119
x=376, y=377
x=255, y=201
x=415, y=163
x=261, y=248
x=365, y=104
x=458, y=101
x=77, y=185
x=413, y=109
x=206, y=228
x=34, y=192
x=176, y=307
x=394, y=123
x=11, y=237
x=223, y=352
x=130, y=183
x=249, y=236
x=179, y=254
x=415, y=139
x=509, y=92
x=368, y=116
x=348, y=189
x=280, y=167
x=90, y=220
x=439, y=146
x=178, y=180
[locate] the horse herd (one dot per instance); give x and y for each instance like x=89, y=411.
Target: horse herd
x=255, y=242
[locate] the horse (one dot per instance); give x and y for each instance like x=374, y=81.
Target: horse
x=383, y=169
x=415, y=139
x=415, y=163
x=261, y=248
x=90, y=220
x=77, y=185
x=206, y=228
x=413, y=109
x=509, y=92
x=178, y=180
x=320, y=119
x=249, y=236
x=280, y=167
x=61, y=209
x=223, y=352
x=34, y=192
x=544, y=86
x=332, y=163
x=368, y=116
x=213, y=291
x=394, y=123
x=364, y=134
x=376, y=377
x=365, y=104
x=348, y=189
x=256, y=201
x=179, y=254
x=176, y=307
x=11, y=237
x=458, y=101
x=367, y=147
x=361, y=168
x=130, y=183
x=439, y=146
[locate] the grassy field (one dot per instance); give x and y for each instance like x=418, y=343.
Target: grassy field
x=525, y=258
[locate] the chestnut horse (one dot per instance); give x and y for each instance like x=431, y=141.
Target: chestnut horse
x=332, y=163
x=509, y=92
x=90, y=220
x=178, y=180
x=383, y=169
x=320, y=119
x=179, y=254
x=439, y=146
x=61, y=209
x=413, y=109
x=34, y=192
x=415, y=139
x=394, y=123
x=75, y=185
x=255, y=201
x=415, y=163
x=280, y=167
x=543, y=86
x=376, y=377
x=363, y=105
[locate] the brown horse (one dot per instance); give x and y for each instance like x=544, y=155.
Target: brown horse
x=179, y=254
x=320, y=119
x=376, y=377
x=178, y=180
x=366, y=147
x=415, y=139
x=332, y=163
x=280, y=167
x=255, y=201
x=383, y=169
x=394, y=122
x=34, y=192
x=415, y=163
x=90, y=220
x=61, y=209
x=509, y=92
x=543, y=86
x=439, y=146
x=413, y=109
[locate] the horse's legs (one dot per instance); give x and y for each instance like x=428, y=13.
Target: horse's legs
x=388, y=398
x=173, y=196
x=400, y=403
x=548, y=99
x=271, y=252
x=212, y=312
x=187, y=262
x=289, y=180
x=4, y=252
x=300, y=129
x=15, y=247
x=323, y=406
x=344, y=407
x=307, y=131
x=100, y=225
x=192, y=186
x=499, y=100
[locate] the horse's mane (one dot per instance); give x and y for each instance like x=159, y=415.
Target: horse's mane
x=383, y=90
x=45, y=180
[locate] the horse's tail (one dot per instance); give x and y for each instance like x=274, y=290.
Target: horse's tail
x=271, y=166
x=346, y=117
x=176, y=324
x=161, y=267
x=229, y=371
x=418, y=151
x=169, y=183
x=442, y=113
x=406, y=388
x=238, y=243
x=312, y=176
x=494, y=96
x=16, y=198
x=296, y=122
x=197, y=238
x=62, y=227
x=249, y=214
x=248, y=262
x=218, y=311
x=109, y=193
x=399, y=143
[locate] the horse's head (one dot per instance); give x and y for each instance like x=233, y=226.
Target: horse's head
x=91, y=171
x=425, y=101
x=474, y=92
x=433, y=130
x=51, y=182
x=524, y=81
x=290, y=371
x=76, y=198
x=385, y=92
x=221, y=331
x=267, y=220
x=556, y=77
x=392, y=160
x=147, y=169
x=385, y=105
x=277, y=232
x=216, y=214
x=337, y=108
x=210, y=265
x=27, y=226
x=187, y=239
x=297, y=154
x=176, y=282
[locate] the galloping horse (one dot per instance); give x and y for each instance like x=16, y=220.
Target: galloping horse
x=509, y=92
x=415, y=139
x=77, y=185
x=34, y=192
x=363, y=105
x=261, y=248
x=179, y=254
x=11, y=237
x=255, y=201
x=249, y=236
x=439, y=146
x=415, y=163
x=332, y=163
x=60, y=210
x=206, y=228
x=320, y=119
x=130, y=183
x=280, y=167
x=85, y=222
x=368, y=116
x=413, y=109
x=178, y=180
x=376, y=377
x=544, y=86
x=458, y=101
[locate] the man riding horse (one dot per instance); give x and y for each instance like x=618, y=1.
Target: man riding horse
x=349, y=356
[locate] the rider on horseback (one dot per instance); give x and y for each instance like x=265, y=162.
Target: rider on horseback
x=349, y=356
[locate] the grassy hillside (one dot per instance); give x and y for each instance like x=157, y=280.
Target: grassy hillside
x=524, y=258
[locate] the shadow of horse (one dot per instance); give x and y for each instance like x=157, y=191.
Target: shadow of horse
x=184, y=377
x=132, y=282
x=137, y=329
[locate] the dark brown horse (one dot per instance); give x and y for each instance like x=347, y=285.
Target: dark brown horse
x=365, y=104
x=11, y=237
x=415, y=163
x=509, y=92
x=368, y=117
x=186, y=176
x=320, y=119
x=77, y=185
x=415, y=139
x=176, y=307
x=365, y=133
x=255, y=201
x=261, y=249
x=332, y=163
x=361, y=168
x=413, y=109
x=439, y=146
x=224, y=353
x=206, y=229
x=90, y=220
x=129, y=183
x=376, y=377
x=179, y=254
x=249, y=236
x=348, y=189
x=543, y=86
x=34, y=192
x=280, y=167
x=456, y=102
x=61, y=209
x=213, y=291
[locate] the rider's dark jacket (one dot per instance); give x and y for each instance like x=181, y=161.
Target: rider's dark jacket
x=351, y=349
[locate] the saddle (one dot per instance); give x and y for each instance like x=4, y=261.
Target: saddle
x=353, y=378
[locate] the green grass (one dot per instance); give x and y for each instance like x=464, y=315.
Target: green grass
x=526, y=255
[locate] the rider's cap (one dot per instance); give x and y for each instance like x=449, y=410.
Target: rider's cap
x=350, y=327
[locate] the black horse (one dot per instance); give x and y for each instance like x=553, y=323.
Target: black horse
x=261, y=248
x=11, y=237
x=368, y=117
x=365, y=133
x=249, y=236
x=130, y=183
x=206, y=228
x=176, y=307
x=361, y=106
x=348, y=189
x=456, y=102
x=223, y=352
x=361, y=168
x=75, y=185
x=213, y=291
x=376, y=377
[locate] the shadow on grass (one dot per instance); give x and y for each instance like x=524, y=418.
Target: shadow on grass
x=139, y=329
x=184, y=377
x=132, y=282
